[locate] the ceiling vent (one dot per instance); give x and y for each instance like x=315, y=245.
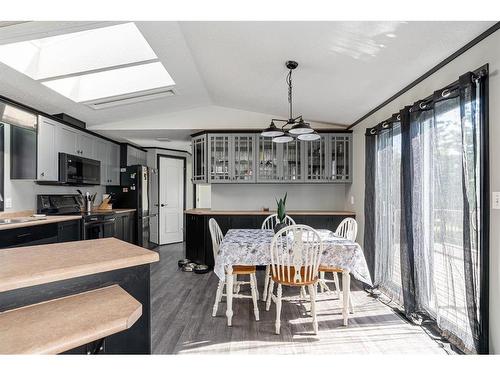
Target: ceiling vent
x=129, y=99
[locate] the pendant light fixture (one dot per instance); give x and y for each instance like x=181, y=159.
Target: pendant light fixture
x=298, y=127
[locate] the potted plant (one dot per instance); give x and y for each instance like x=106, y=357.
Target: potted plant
x=281, y=213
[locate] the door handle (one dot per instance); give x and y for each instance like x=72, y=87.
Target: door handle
x=163, y=205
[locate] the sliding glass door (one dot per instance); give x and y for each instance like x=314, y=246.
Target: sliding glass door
x=438, y=217
x=424, y=221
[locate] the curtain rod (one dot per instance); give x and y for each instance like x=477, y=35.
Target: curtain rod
x=395, y=117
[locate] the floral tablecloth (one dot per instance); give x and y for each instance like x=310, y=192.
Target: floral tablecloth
x=252, y=247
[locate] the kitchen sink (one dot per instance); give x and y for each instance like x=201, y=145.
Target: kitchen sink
x=20, y=220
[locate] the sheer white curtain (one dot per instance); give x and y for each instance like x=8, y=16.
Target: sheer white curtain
x=388, y=212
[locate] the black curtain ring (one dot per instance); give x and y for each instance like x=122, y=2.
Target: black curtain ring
x=398, y=117
x=385, y=125
x=445, y=93
x=372, y=131
x=422, y=105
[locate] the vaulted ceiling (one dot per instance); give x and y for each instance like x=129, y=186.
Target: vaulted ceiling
x=232, y=74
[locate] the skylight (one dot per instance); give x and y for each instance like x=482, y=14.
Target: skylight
x=111, y=83
x=91, y=64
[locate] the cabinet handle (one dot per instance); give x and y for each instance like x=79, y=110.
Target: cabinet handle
x=42, y=174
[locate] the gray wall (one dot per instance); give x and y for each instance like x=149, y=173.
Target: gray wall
x=488, y=51
x=256, y=196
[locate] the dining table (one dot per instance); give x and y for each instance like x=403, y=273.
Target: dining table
x=252, y=247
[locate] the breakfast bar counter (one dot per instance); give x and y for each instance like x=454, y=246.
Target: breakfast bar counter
x=95, y=293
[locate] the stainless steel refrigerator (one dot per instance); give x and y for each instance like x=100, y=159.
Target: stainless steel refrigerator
x=133, y=192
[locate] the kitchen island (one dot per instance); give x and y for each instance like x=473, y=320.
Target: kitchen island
x=199, y=243
x=76, y=297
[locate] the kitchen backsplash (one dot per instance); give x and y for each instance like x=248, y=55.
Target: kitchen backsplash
x=256, y=196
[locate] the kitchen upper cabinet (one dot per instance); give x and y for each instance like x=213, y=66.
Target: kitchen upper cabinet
x=340, y=157
x=135, y=156
x=316, y=160
x=219, y=154
x=280, y=162
x=243, y=157
x=269, y=169
x=250, y=158
x=74, y=142
x=67, y=140
x=113, y=172
x=101, y=148
x=292, y=161
x=47, y=159
x=85, y=145
x=108, y=153
x=199, y=146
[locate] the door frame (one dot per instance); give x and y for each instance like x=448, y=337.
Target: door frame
x=184, y=163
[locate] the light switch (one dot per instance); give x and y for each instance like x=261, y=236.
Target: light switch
x=352, y=199
x=8, y=202
x=495, y=200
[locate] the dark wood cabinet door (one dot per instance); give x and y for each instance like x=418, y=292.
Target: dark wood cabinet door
x=29, y=236
x=69, y=231
x=119, y=233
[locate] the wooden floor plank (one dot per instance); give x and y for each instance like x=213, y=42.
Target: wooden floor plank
x=182, y=321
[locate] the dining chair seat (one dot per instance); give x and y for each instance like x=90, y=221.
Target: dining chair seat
x=324, y=268
x=244, y=270
x=288, y=278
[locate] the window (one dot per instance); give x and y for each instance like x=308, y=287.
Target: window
x=92, y=64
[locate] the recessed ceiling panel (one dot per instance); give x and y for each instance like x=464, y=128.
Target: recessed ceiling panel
x=78, y=52
x=113, y=82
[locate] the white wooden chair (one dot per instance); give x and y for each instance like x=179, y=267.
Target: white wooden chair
x=347, y=229
x=217, y=237
x=269, y=223
x=295, y=258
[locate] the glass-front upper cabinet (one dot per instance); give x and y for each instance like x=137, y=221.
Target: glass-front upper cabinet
x=340, y=157
x=199, y=144
x=243, y=156
x=267, y=159
x=316, y=159
x=292, y=157
x=219, y=156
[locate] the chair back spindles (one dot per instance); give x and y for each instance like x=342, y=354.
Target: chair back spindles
x=296, y=254
x=347, y=229
x=272, y=220
x=216, y=235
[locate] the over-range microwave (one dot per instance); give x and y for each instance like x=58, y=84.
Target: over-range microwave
x=76, y=170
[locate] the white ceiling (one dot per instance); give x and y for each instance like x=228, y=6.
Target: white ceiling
x=235, y=70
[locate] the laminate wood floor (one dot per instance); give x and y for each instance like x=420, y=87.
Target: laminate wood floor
x=182, y=321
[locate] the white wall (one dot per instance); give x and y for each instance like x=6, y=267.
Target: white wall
x=23, y=192
x=487, y=51
x=256, y=196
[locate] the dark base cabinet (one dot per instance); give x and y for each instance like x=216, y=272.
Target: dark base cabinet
x=41, y=234
x=199, y=242
x=124, y=226
x=134, y=280
x=69, y=231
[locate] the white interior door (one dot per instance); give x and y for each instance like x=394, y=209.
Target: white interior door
x=171, y=210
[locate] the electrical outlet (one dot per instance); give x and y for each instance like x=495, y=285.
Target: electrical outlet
x=495, y=200
x=8, y=202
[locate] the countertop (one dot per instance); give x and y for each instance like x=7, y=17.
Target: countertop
x=207, y=212
x=46, y=220
x=54, y=326
x=26, y=215
x=113, y=210
x=41, y=264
